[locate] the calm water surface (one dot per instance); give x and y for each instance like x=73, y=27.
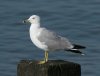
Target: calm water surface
x=79, y=20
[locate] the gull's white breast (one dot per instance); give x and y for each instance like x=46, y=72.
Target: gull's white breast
x=34, y=33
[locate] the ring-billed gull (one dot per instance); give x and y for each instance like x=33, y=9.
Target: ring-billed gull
x=48, y=40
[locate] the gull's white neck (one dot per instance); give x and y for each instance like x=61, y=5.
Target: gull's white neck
x=34, y=28
x=35, y=25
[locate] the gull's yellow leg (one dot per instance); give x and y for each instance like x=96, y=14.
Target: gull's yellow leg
x=45, y=58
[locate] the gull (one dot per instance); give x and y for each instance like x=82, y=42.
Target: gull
x=48, y=40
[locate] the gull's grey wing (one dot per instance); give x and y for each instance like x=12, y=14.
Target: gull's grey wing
x=53, y=41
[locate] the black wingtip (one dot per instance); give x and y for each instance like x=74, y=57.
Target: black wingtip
x=78, y=46
x=75, y=51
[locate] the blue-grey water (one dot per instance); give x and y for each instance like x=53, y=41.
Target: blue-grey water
x=79, y=20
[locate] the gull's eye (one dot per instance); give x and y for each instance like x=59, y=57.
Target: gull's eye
x=33, y=18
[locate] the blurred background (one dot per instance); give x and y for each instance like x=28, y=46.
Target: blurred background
x=78, y=20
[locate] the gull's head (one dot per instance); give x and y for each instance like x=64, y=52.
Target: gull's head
x=34, y=19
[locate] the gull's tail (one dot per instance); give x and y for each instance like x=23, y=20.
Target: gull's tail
x=76, y=49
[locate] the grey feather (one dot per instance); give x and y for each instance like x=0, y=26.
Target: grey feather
x=54, y=41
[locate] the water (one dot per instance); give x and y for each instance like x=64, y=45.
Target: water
x=78, y=20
